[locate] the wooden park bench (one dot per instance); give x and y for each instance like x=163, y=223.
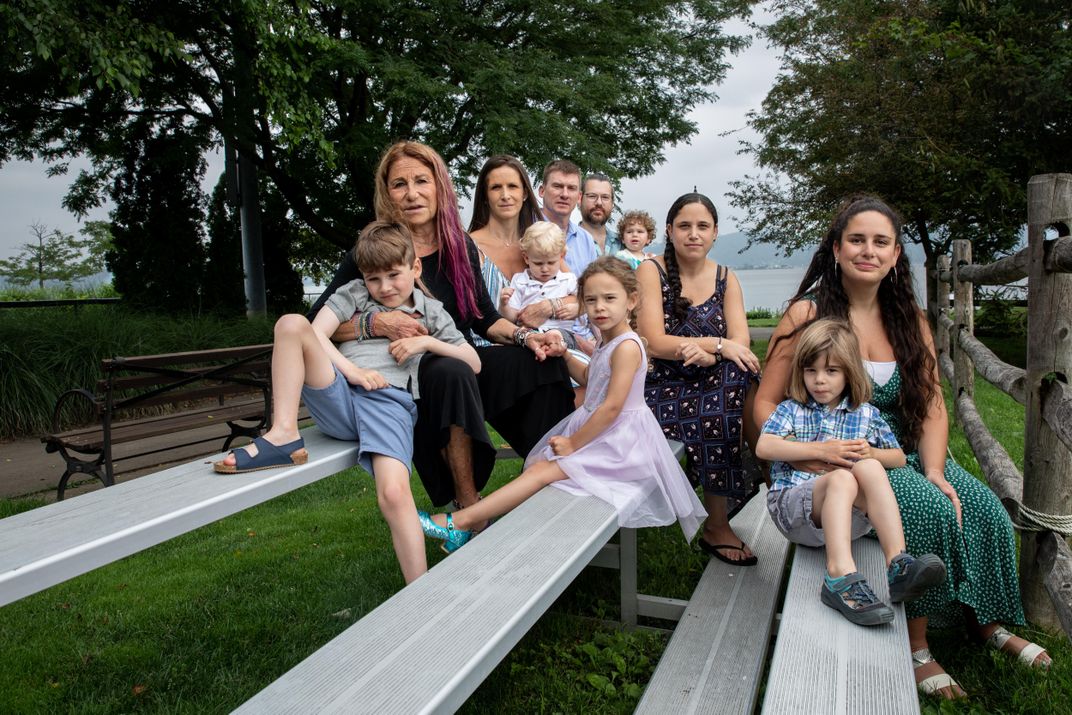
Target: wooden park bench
x=229, y=388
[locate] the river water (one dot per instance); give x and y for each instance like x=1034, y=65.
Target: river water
x=771, y=287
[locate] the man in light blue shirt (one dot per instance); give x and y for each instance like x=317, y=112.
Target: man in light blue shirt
x=597, y=203
x=560, y=192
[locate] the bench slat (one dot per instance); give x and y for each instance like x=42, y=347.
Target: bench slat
x=92, y=438
x=53, y=543
x=510, y=575
x=183, y=358
x=823, y=663
x=715, y=658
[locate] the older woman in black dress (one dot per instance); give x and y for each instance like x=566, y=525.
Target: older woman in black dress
x=523, y=388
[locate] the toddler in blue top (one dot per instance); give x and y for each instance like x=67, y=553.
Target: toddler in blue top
x=829, y=421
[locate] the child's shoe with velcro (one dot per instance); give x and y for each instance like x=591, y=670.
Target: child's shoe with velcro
x=853, y=598
x=910, y=577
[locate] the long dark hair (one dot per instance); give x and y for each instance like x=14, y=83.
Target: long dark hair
x=530, y=208
x=897, y=302
x=681, y=303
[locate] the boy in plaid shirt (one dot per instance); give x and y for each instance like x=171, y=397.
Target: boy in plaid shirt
x=829, y=421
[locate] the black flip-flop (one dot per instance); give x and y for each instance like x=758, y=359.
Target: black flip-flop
x=712, y=549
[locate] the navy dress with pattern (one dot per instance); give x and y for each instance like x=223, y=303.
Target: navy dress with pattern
x=702, y=406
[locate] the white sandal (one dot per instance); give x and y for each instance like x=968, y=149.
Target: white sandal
x=1027, y=655
x=931, y=685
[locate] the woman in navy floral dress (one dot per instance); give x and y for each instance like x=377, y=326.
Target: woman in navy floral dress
x=692, y=315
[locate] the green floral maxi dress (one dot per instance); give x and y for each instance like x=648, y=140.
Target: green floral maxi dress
x=980, y=559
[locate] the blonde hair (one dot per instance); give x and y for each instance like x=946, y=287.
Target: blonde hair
x=620, y=271
x=543, y=238
x=643, y=218
x=834, y=340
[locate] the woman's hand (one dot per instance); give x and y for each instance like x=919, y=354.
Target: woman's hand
x=545, y=345
x=534, y=315
x=937, y=478
x=693, y=354
x=404, y=349
x=396, y=324
x=561, y=446
x=740, y=354
x=368, y=379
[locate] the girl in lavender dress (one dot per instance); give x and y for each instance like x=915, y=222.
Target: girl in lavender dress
x=612, y=447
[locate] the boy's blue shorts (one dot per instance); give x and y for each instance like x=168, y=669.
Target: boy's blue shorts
x=380, y=421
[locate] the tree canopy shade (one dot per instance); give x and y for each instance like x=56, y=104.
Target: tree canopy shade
x=314, y=91
x=945, y=108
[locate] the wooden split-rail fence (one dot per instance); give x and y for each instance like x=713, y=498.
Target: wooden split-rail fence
x=1039, y=500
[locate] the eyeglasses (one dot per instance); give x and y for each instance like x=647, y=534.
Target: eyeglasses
x=598, y=198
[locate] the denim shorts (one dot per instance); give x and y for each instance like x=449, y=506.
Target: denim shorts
x=380, y=421
x=791, y=510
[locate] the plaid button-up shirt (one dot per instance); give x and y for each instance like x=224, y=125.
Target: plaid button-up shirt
x=814, y=423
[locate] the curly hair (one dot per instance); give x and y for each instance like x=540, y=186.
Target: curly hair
x=641, y=217
x=898, y=306
x=530, y=208
x=450, y=234
x=681, y=303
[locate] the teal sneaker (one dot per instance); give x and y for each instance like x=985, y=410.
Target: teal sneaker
x=854, y=599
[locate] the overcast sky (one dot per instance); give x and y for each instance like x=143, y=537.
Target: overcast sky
x=710, y=162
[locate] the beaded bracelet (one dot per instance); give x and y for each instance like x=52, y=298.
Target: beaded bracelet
x=520, y=336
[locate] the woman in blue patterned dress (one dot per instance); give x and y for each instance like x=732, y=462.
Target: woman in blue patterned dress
x=861, y=274
x=692, y=315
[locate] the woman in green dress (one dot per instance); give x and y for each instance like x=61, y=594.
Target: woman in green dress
x=861, y=274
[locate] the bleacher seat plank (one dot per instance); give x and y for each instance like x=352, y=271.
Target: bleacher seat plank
x=823, y=663
x=715, y=657
x=428, y=648
x=53, y=543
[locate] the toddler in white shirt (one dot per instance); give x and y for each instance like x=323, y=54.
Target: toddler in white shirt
x=544, y=247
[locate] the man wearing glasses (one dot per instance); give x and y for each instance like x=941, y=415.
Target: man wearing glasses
x=597, y=202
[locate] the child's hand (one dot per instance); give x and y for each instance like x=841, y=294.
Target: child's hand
x=504, y=297
x=693, y=354
x=404, y=349
x=561, y=446
x=839, y=452
x=863, y=449
x=368, y=379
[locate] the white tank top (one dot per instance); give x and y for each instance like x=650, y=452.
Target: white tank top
x=880, y=372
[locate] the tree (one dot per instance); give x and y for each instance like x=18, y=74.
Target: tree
x=57, y=256
x=313, y=91
x=944, y=108
x=157, y=258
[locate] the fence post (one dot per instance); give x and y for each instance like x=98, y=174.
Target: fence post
x=1047, y=462
x=963, y=319
x=942, y=306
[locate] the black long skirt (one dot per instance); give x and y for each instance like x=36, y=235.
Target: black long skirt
x=520, y=397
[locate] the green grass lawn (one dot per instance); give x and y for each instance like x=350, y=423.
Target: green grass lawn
x=203, y=622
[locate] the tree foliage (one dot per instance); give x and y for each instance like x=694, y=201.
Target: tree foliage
x=58, y=256
x=313, y=91
x=943, y=107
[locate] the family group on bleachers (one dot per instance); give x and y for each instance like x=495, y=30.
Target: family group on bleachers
x=428, y=332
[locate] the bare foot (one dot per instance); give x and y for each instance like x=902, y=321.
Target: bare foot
x=724, y=534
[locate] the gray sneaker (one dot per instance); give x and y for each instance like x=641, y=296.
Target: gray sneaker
x=911, y=577
x=857, y=602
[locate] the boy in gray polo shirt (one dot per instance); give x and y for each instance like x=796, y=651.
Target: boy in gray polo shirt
x=363, y=390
